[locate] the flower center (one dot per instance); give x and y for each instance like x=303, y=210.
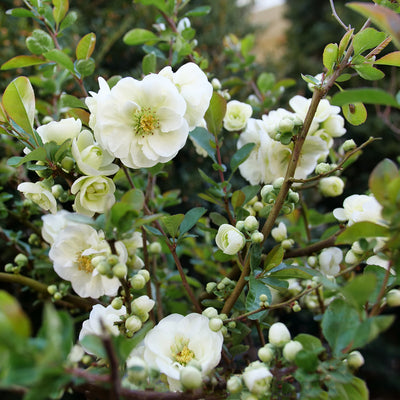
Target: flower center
x=184, y=356
x=85, y=263
x=145, y=122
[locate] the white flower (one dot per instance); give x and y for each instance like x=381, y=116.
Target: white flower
x=379, y=261
x=300, y=105
x=334, y=125
x=90, y=157
x=280, y=232
x=237, y=115
x=72, y=253
x=269, y=158
x=53, y=224
x=257, y=377
x=274, y=118
x=358, y=208
x=278, y=334
x=229, y=239
x=176, y=340
x=329, y=260
x=142, y=304
x=94, y=194
x=146, y=117
x=331, y=186
x=60, y=131
x=183, y=24
x=194, y=87
x=102, y=320
x=39, y=194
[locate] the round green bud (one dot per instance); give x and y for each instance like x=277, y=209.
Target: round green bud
x=287, y=243
x=263, y=297
x=117, y=303
x=210, y=312
x=9, y=267
x=21, y=260
x=190, y=377
x=234, y=384
x=323, y=168
x=266, y=354
x=137, y=371
x=86, y=359
x=112, y=259
x=52, y=289
x=277, y=183
x=221, y=286
x=57, y=190
x=312, y=261
x=16, y=269
x=120, y=270
x=232, y=325
x=291, y=349
x=103, y=268
x=67, y=164
x=57, y=296
x=155, y=248
x=293, y=196
x=257, y=206
x=393, y=298
x=215, y=324
x=257, y=237
x=266, y=190
x=349, y=145
x=296, y=307
x=145, y=274
x=355, y=359
x=133, y=323
x=138, y=282
x=240, y=225
x=286, y=125
x=34, y=240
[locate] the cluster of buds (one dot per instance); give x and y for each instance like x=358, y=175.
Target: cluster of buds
x=216, y=322
x=140, y=309
x=110, y=266
x=288, y=126
x=250, y=226
x=58, y=292
x=222, y=289
x=20, y=261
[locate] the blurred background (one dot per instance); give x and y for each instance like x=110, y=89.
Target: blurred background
x=289, y=40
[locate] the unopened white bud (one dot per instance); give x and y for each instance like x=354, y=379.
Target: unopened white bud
x=278, y=334
x=215, y=324
x=278, y=182
x=266, y=354
x=216, y=84
x=279, y=233
x=240, y=225
x=133, y=323
x=331, y=186
x=234, y=384
x=190, y=377
x=287, y=243
x=291, y=349
x=351, y=257
x=210, y=286
x=155, y=248
x=210, y=312
x=349, y=145
x=355, y=359
x=266, y=190
x=312, y=261
x=257, y=237
x=137, y=371
x=393, y=298
x=286, y=125
x=251, y=223
x=120, y=270
x=258, y=206
x=145, y=274
x=138, y=282
x=57, y=190
x=322, y=168
x=117, y=303
x=142, y=304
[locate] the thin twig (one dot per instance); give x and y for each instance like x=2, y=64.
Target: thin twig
x=334, y=13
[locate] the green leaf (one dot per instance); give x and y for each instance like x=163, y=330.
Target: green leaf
x=256, y=289
x=38, y=154
x=330, y=56
x=390, y=59
x=85, y=47
x=370, y=329
x=135, y=198
x=265, y=82
x=68, y=100
x=20, y=12
x=139, y=36
x=241, y=155
x=22, y=61
x=70, y=19
x=360, y=230
x=198, y=11
x=215, y=113
x=191, y=218
x=172, y=223
x=39, y=42
x=344, y=42
x=19, y=103
x=61, y=59
x=95, y=345
x=60, y=10
x=237, y=199
x=384, y=18
x=13, y=319
x=359, y=290
x=355, y=114
x=339, y=325
x=354, y=390
x=85, y=67
x=205, y=140
x=309, y=342
x=255, y=256
x=162, y=5
x=364, y=95
x=273, y=258
x=367, y=39
x=218, y=219
x=149, y=63
x=381, y=176
x=368, y=72
x=284, y=271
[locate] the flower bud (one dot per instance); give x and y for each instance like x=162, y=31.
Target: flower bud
x=323, y=168
x=229, y=239
x=266, y=354
x=142, y=304
x=120, y=270
x=331, y=186
x=251, y=223
x=137, y=371
x=266, y=190
x=263, y=298
x=190, y=377
x=312, y=261
x=287, y=243
x=67, y=164
x=393, y=298
x=240, y=225
x=21, y=260
x=52, y=289
x=211, y=286
x=57, y=190
x=117, y=303
x=133, y=323
x=34, y=239
x=210, y=312
x=155, y=248
x=145, y=274
x=234, y=384
x=112, y=259
x=291, y=349
x=279, y=233
x=293, y=197
x=286, y=125
x=278, y=182
x=138, y=282
x=258, y=206
x=215, y=324
x=278, y=334
x=355, y=359
x=348, y=145
x=351, y=257
x=216, y=84
x=257, y=237
x=103, y=267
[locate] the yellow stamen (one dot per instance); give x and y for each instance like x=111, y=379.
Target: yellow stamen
x=85, y=263
x=184, y=356
x=145, y=122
